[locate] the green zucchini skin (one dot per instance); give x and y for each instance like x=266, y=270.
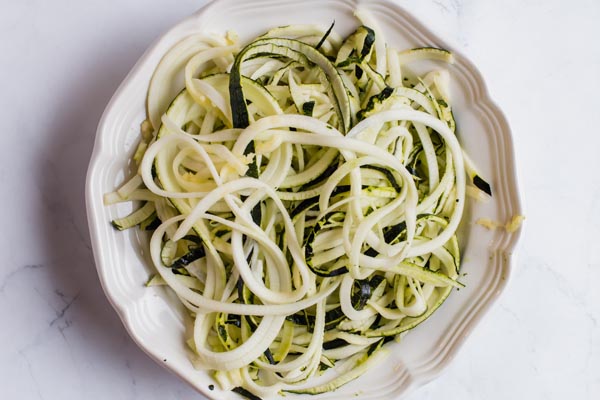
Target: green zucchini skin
x=243, y=392
x=299, y=52
x=135, y=218
x=482, y=185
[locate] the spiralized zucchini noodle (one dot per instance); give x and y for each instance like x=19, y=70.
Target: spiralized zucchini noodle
x=303, y=193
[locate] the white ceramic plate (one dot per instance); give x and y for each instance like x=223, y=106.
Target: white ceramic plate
x=152, y=317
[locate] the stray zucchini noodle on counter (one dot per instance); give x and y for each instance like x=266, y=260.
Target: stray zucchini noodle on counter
x=512, y=225
x=304, y=193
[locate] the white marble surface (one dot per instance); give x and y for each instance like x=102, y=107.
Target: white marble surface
x=60, y=63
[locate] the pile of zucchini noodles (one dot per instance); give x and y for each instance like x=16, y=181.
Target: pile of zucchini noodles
x=304, y=193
